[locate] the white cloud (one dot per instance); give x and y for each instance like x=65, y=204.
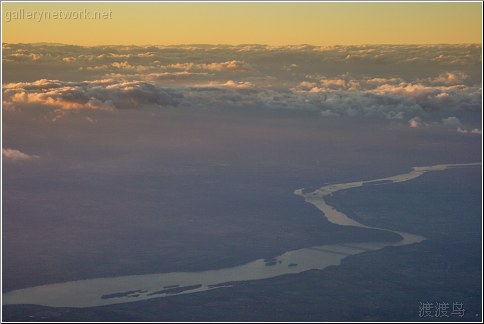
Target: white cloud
x=476, y=131
x=333, y=84
x=232, y=66
x=450, y=78
x=229, y=84
x=451, y=122
x=16, y=155
x=98, y=94
x=441, y=87
x=443, y=55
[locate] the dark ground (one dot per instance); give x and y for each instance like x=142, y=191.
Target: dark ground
x=136, y=195
x=385, y=285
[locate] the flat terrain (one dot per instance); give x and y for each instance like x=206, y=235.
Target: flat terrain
x=384, y=285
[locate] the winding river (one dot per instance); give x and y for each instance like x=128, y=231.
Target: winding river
x=124, y=289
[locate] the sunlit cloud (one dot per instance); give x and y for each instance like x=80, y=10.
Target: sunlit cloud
x=99, y=94
x=415, y=122
x=13, y=155
x=299, y=78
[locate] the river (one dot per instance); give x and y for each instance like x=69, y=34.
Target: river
x=124, y=289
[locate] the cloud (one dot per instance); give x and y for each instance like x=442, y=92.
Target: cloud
x=16, y=155
x=98, y=94
x=230, y=84
x=238, y=85
x=435, y=83
x=241, y=57
x=374, y=82
x=116, y=66
x=450, y=78
x=451, y=122
x=156, y=67
x=159, y=76
x=232, y=66
x=475, y=131
x=333, y=84
x=415, y=122
x=365, y=97
x=431, y=98
x=306, y=86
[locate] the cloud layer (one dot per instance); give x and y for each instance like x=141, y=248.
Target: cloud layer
x=419, y=85
x=148, y=55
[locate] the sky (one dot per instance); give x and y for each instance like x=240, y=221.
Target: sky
x=243, y=23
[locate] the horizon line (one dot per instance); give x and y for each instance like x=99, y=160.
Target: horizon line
x=241, y=44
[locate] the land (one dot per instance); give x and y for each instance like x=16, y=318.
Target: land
x=384, y=285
